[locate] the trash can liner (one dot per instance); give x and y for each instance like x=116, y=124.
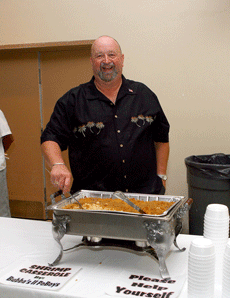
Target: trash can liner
x=215, y=166
x=208, y=178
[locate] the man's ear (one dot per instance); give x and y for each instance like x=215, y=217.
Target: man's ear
x=123, y=58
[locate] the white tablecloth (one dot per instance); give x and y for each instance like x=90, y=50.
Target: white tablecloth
x=20, y=237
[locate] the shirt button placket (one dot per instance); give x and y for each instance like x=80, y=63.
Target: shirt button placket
x=121, y=146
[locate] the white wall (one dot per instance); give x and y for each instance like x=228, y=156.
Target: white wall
x=179, y=48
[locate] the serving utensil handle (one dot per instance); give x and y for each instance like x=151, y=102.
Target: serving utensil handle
x=56, y=194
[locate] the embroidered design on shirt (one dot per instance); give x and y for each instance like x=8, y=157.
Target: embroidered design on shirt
x=141, y=117
x=82, y=128
x=100, y=125
x=135, y=120
x=148, y=119
x=90, y=125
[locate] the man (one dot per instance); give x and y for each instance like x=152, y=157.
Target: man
x=114, y=129
x=5, y=141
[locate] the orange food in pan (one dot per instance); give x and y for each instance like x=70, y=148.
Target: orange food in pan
x=151, y=207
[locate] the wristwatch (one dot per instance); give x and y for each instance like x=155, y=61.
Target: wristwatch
x=163, y=177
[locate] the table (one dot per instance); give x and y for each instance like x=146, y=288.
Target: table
x=23, y=237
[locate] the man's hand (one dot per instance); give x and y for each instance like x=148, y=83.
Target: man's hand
x=164, y=183
x=61, y=177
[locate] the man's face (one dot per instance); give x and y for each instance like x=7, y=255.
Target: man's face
x=106, y=59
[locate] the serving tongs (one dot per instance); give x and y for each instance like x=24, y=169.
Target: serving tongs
x=74, y=198
x=120, y=195
x=59, y=192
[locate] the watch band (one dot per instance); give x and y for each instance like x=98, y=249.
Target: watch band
x=163, y=177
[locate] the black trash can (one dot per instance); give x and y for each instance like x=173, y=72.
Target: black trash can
x=208, y=178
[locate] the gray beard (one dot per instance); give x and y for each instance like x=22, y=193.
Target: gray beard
x=109, y=76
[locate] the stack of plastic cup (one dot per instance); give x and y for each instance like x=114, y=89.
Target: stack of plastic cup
x=216, y=228
x=201, y=268
x=226, y=272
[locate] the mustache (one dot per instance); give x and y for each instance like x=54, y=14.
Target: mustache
x=111, y=64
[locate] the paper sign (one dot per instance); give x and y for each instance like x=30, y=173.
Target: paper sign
x=131, y=284
x=37, y=275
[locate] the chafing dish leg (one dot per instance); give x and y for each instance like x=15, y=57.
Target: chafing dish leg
x=160, y=236
x=179, y=217
x=180, y=249
x=59, y=229
x=178, y=230
x=163, y=268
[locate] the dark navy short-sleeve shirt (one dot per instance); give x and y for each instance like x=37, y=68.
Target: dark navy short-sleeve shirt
x=111, y=146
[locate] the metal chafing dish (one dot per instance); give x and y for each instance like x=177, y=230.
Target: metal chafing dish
x=149, y=234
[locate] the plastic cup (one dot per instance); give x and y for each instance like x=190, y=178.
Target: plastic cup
x=223, y=231
x=227, y=249
x=201, y=287
x=226, y=276
x=200, y=265
x=217, y=212
x=201, y=277
x=219, y=220
x=200, y=257
x=201, y=246
x=220, y=244
x=193, y=285
x=226, y=271
x=226, y=260
x=221, y=241
x=225, y=287
x=201, y=268
x=217, y=231
x=201, y=293
x=201, y=281
x=216, y=226
x=216, y=239
x=208, y=290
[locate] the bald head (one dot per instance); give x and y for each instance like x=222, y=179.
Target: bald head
x=103, y=41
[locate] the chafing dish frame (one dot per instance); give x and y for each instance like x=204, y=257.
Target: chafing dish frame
x=158, y=231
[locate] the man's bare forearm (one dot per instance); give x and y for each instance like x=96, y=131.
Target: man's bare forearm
x=162, y=155
x=52, y=153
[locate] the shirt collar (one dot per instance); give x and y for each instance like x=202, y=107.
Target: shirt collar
x=126, y=88
x=92, y=92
